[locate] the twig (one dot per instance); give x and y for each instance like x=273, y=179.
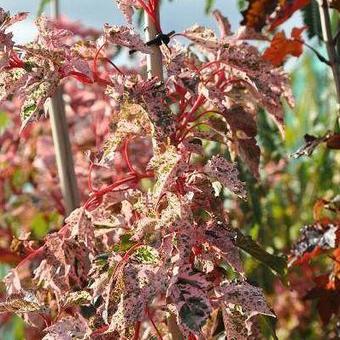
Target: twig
x=62, y=145
x=329, y=41
x=318, y=55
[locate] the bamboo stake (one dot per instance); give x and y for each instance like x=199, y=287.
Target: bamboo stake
x=154, y=60
x=330, y=45
x=155, y=69
x=62, y=145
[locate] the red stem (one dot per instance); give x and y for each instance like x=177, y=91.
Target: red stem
x=127, y=158
x=81, y=77
x=191, y=128
x=95, y=69
x=151, y=11
x=153, y=324
x=113, y=64
x=137, y=329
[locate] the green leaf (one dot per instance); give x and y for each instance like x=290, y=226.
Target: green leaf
x=146, y=255
x=277, y=263
x=268, y=325
x=42, y=5
x=311, y=19
x=242, y=4
x=4, y=122
x=39, y=225
x=208, y=5
x=28, y=110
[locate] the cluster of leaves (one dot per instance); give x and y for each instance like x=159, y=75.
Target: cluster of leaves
x=152, y=249
x=280, y=203
x=317, y=241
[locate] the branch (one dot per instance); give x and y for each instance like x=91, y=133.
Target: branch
x=62, y=145
x=318, y=55
x=329, y=41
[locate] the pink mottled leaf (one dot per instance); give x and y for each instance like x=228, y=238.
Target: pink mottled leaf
x=248, y=297
x=204, y=37
x=125, y=36
x=223, y=23
x=223, y=237
x=188, y=293
x=127, y=8
x=68, y=328
x=143, y=280
x=226, y=173
x=51, y=37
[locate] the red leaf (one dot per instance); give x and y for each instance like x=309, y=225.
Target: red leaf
x=286, y=10
x=314, y=239
x=327, y=293
x=6, y=256
x=281, y=47
x=250, y=153
x=255, y=16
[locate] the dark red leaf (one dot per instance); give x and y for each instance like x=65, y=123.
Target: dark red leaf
x=255, y=16
x=285, y=11
x=281, y=46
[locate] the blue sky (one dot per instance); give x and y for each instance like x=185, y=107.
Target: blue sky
x=176, y=15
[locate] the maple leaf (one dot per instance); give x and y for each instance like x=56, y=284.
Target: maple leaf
x=243, y=126
x=223, y=237
x=12, y=282
x=68, y=328
x=250, y=153
x=312, y=142
x=188, y=293
x=226, y=173
x=125, y=36
x=81, y=228
x=165, y=165
x=51, y=37
x=246, y=296
x=6, y=42
x=281, y=47
x=11, y=81
x=286, y=9
x=133, y=121
x=23, y=302
x=172, y=214
x=143, y=279
x=37, y=94
x=159, y=112
x=202, y=36
x=326, y=292
x=66, y=263
x=234, y=324
x=223, y=23
x=257, y=13
x=81, y=297
x=265, y=83
x=314, y=239
x=127, y=8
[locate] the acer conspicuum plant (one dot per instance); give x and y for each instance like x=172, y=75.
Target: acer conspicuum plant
x=155, y=246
